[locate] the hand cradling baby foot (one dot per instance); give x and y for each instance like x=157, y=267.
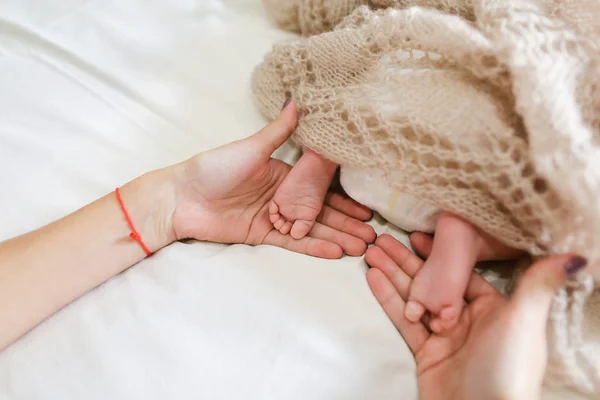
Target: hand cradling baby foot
x=439, y=286
x=299, y=199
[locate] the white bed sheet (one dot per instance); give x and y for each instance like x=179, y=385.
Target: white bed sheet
x=92, y=94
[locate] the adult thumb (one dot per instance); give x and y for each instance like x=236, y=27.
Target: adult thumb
x=539, y=284
x=272, y=136
x=522, y=339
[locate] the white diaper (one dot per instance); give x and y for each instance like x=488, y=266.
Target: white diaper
x=403, y=210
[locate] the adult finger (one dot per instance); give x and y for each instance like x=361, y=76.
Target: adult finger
x=348, y=206
x=380, y=257
x=406, y=259
x=538, y=285
x=422, y=243
x=492, y=249
x=272, y=136
x=377, y=258
x=342, y=222
x=352, y=245
x=478, y=287
x=525, y=321
x=308, y=245
x=414, y=333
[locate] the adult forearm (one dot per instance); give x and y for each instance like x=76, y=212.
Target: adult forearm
x=44, y=270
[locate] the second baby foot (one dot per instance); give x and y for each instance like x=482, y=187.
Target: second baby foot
x=299, y=199
x=439, y=286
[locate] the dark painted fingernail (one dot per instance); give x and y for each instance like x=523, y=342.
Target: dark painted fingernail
x=574, y=265
x=286, y=103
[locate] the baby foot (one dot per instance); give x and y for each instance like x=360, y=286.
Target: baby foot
x=439, y=286
x=299, y=199
x=437, y=293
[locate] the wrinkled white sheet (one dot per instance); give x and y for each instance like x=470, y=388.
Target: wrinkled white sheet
x=92, y=94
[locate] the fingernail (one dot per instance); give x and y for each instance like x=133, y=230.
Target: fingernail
x=286, y=103
x=574, y=265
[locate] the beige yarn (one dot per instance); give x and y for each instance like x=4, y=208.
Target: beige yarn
x=486, y=108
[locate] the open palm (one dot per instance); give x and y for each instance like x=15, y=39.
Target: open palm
x=225, y=193
x=498, y=347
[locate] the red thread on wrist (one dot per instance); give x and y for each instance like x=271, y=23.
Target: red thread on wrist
x=134, y=234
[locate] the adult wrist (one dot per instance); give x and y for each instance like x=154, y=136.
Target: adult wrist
x=150, y=201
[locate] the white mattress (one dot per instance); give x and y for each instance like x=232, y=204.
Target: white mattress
x=92, y=94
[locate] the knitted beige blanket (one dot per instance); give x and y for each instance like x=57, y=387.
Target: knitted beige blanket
x=486, y=108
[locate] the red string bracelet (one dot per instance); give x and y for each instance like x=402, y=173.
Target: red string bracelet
x=134, y=234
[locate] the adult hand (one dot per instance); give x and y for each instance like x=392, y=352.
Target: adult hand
x=498, y=348
x=222, y=195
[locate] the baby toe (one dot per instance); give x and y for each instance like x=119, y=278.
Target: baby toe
x=273, y=208
x=449, y=317
x=279, y=223
x=436, y=325
x=285, y=228
x=301, y=228
x=414, y=311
